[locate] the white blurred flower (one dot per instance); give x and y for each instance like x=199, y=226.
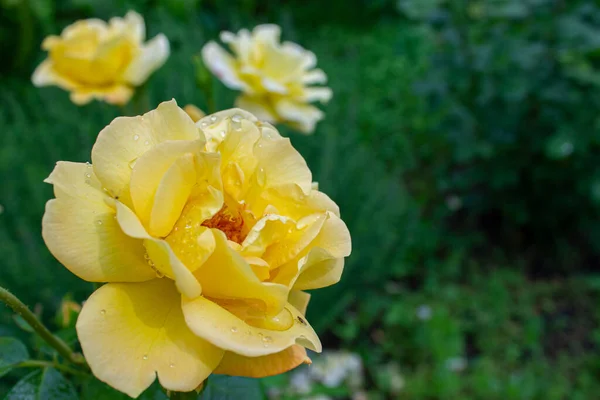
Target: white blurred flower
x=424, y=312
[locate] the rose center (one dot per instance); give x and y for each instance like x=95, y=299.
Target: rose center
x=229, y=222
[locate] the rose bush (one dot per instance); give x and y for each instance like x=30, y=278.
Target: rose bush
x=207, y=235
x=274, y=77
x=93, y=59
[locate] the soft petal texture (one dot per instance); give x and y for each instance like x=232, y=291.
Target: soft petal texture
x=258, y=367
x=273, y=77
x=121, y=143
x=93, y=59
x=80, y=230
x=231, y=333
x=165, y=261
x=151, y=57
x=161, y=182
x=226, y=275
x=132, y=333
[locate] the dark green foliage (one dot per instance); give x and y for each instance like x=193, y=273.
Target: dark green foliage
x=511, y=137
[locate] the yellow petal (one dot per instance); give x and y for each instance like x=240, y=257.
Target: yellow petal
x=172, y=194
x=269, y=229
x=45, y=75
x=299, y=300
x=194, y=112
x=132, y=333
x=150, y=58
x=80, y=230
x=226, y=275
x=222, y=65
x=160, y=252
x=161, y=182
x=231, y=333
x=116, y=94
x=258, y=367
x=259, y=106
x=323, y=265
x=127, y=138
x=280, y=164
x=303, y=116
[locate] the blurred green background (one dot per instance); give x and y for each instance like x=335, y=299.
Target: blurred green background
x=462, y=145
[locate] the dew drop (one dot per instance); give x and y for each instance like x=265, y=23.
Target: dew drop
x=145, y=356
x=213, y=118
x=136, y=137
x=88, y=182
x=260, y=176
x=88, y=175
x=99, y=222
x=276, y=319
x=204, y=124
x=223, y=134
x=236, y=118
x=267, y=339
x=172, y=366
x=233, y=329
x=88, y=164
x=102, y=312
x=266, y=344
x=146, y=142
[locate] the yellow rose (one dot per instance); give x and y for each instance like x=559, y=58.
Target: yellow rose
x=93, y=59
x=274, y=77
x=208, y=234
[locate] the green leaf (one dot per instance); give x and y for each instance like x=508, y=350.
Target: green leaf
x=12, y=351
x=26, y=388
x=222, y=387
x=55, y=387
x=48, y=384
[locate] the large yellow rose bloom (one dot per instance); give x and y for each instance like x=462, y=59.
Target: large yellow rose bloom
x=97, y=60
x=274, y=77
x=207, y=234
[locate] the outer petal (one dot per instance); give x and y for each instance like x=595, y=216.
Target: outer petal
x=122, y=142
x=80, y=230
x=45, y=75
x=231, y=333
x=281, y=164
x=222, y=65
x=152, y=56
x=304, y=116
x=116, y=94
x=259, y=106
x=161, y=254
x=130, y=333
x=226, y=275
x=259, y=367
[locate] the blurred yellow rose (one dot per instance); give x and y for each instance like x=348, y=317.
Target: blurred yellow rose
x=207, y=234
x=274, y=77
x=95, y=59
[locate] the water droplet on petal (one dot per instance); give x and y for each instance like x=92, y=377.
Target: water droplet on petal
x=260, y=176
x=146, y=142
x=204, y=124
x=276, y=319
x=102, y=312
x=223, y=133
x=267, y=339
x=236, y=118
x=233, y=329
x=145, y=356
x=172, y=365
x=266, y=344
x=88, y=175
x=99, y=222
x=213, y=118
x=136, y=137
